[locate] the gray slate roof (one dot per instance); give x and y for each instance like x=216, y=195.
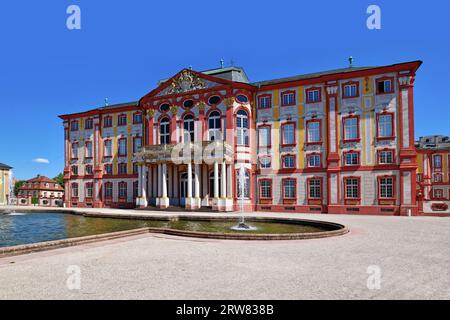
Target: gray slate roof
x=4, y=166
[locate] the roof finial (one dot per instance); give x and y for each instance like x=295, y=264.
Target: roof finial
x=222, y=63
x=190, y=67
x=350, y=60
x=106, y=102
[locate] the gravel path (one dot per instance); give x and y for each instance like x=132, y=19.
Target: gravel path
x=412, y=255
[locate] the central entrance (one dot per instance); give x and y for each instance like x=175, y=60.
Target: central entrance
x=184, y=188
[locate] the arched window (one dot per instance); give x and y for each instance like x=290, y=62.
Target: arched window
x=242, y=128
x=214, y=126
x=164, y=131
x=188, y=125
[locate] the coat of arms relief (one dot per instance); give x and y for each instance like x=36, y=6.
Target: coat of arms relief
x=185, y=82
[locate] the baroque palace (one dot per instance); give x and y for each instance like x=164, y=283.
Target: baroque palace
x=340, y=141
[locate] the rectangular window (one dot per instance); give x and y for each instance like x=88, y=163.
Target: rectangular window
x=265, y=102
x=108, y=148
x=437, y=161
x=313, y=129
x=351, y=188
x=438, y=193
x=88, y=124
x=264, y=136
x=108, y=190
x=265, y=189
x=75, y=190
x=384, y=86
x=385, y=126
x=137, y=144
x=122, y=120
x=74, y=126
x=315, y=188
x=313, y=95
x=313, y=160
x=75, y=170
x=350, y=90
x=288, y=162
x=386, y=187
x=107, y=122
x=289, y=189
x=123, y=190
x=288, y=134
x=386, y=157
x=122, y=167
x=288, y=99
x=88, y=190
x=122, y=147
x=137, y=118
x=89, y=153
x=351, y=129
x=89, y=170
x=351, y=158
x=75, y=150
x=108, y=169
x=437, y=177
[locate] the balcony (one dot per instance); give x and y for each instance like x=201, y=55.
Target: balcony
x=199, y=152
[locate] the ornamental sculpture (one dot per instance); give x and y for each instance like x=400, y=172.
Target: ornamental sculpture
x=187, y=81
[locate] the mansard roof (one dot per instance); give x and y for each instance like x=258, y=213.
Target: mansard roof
x=5, y=167
x=437, y=142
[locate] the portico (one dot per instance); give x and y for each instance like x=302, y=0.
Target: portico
x=189, y=175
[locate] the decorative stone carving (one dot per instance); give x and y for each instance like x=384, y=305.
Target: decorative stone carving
x=313, y=148
x=406, y=80
x=186, y=81
x=201, y=105
x=151, y=113
x=174, y=109
x=332, y=90
x=229, y=102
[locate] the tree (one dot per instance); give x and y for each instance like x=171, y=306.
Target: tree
x=17, y=185
x=60, y=179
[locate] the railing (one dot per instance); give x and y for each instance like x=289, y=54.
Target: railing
x=187, y=152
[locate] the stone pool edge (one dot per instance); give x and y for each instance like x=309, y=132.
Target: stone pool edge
x=63, y=243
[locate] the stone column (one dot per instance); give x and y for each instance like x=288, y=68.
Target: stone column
x=150, y=185
x=224, y=180
x=175, y=182
x=159, y=180
x=164, y=181
x=139, y=181
x=216, y=180
x=197, y=181
x=189, y=173
x=229, y=184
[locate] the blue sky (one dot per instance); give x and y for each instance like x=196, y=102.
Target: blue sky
x=125, y=47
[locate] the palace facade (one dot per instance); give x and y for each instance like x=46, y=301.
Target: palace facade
x=5, y=176
x=433, y=175
x=339, y=141
x=40, y=191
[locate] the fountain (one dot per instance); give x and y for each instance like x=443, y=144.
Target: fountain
x=242, y=226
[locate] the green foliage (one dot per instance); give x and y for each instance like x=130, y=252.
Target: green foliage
x=60, y=179
x=17, y=185
x=34, y=200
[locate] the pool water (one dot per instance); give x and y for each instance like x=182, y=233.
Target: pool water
x=20, y=228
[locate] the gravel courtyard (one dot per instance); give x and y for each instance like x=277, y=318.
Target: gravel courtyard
x=412, y=254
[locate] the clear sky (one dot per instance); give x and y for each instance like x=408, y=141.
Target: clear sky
x=125, y=47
